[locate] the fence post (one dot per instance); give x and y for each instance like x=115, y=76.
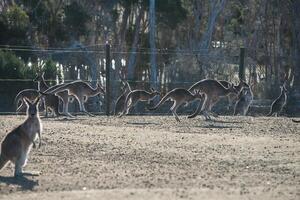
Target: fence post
x=241, y=65
x=107, y=76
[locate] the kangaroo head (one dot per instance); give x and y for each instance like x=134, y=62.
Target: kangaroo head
x=39, y=77
x=100, y=89
x=32, y=107
x=154, y=92
x=283, y=88
x=242, y=84
x=232, y=89
x=126, y=86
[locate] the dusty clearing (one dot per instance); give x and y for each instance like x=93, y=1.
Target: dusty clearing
x=152, y=157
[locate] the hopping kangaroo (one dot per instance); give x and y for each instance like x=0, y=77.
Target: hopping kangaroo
x=179, y=96
x=119, y=106
x=138, y=95
x=17, y=144
x=80, y=90
x=245, y=98
x=212, y=90
x=279, y=102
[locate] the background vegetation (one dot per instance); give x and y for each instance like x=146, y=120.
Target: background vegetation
x=195, y=39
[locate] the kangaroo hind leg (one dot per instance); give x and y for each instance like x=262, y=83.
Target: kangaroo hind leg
x=174, y=109
x=82, y=108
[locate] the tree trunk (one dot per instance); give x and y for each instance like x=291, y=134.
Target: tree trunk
x=152, y=27
x=215, y=9
x=118, y=56
x=132, y=57
x=294, y=100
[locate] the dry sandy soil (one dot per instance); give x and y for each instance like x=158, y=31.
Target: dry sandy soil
x=154, y=157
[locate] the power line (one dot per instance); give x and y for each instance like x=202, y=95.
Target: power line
x=187, y=53
x=53, y=50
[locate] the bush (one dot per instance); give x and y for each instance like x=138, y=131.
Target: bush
x=11, y=67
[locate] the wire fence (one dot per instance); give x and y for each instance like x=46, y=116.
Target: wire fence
x=180, y=67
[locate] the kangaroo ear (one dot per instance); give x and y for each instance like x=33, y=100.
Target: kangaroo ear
x=37, y=100
x=281, y=87
x=101, y=88
x=27, y=101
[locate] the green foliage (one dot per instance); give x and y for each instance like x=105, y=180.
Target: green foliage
x=170, y=12
x=76, y=18
x=11, y=66
x=51, y=70
x=237, y=19
x=14, y=23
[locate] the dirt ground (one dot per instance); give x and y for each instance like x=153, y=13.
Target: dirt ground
x=154, y=157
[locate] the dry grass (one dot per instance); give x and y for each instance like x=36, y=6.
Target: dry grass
x=153, y=157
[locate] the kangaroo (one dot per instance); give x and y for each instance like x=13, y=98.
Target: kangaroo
x=17, y=144
x=119, y=106
x=212, y=90
x=50, y=101
x=63, y=96
x=179, y=96
x=32, y=94
x=138, y=95
x=279, y=102
x=232, y=98
x=80, y=90
x=245, y=98
x=42, y=85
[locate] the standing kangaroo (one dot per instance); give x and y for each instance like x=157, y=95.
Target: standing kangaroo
x=138, y=95
x=245, y=98
x=80, y=90
x=50, y=101
x=232, y=97
x=17, y=144
x=179, y=96
x=212, y=90
x=30, y=94
x=119, y=106
x=279, y=102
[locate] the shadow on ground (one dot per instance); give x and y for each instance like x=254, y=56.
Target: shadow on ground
x=22, y=181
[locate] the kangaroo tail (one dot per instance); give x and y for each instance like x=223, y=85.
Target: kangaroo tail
x=197, y=111
x=126, y=104
x=3, y=162
x=119, y=104
x=270, y=113
x=165, y=98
